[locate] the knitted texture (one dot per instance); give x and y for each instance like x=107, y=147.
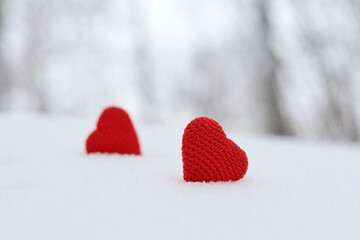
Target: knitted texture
x=208, y=155
x=114, y=134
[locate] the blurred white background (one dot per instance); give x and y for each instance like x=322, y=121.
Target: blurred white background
x=286, y=67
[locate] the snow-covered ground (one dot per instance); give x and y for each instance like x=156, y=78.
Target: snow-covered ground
x=50, y=189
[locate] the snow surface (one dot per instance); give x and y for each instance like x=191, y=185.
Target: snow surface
x=50, y=189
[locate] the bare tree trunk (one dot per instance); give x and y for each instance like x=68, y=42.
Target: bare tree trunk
x=5, y=81
x=339, y=112
x=277, y=123
x=35, y=54
x=143, y=62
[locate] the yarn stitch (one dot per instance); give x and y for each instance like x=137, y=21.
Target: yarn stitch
x=208, y=155
x=115, y=133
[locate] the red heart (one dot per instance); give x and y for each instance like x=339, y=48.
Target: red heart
x=208, y=155
x=114, y=134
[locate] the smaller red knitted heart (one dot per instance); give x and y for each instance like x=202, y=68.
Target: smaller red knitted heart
x=114, y=134
x=208, y=155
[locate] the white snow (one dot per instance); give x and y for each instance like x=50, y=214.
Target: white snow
x=50, y=189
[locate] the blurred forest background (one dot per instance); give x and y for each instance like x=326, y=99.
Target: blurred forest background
x=289, y=67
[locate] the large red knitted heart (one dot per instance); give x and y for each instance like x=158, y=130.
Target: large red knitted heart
x=114, y=134
x=208, y=155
